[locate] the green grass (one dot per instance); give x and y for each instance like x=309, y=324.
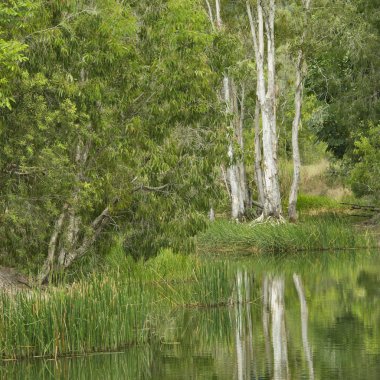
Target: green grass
x=320, y=233
x=307, y=202
x=106, y=312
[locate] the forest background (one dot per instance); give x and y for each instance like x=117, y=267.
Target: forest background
x=127, y=121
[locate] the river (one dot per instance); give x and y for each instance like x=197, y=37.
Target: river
x=310, y=316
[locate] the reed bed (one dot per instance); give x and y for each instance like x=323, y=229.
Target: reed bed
x=108, y=313
x=322, y=233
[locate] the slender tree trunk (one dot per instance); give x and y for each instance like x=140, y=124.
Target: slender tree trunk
x=233, y=173
x=292, y=209
x=304, y=321
x=232, y=169
x=236, y=174
x=258, y=157
x=266, y=96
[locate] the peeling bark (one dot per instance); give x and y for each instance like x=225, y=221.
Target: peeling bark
x=266, y=96
x=236, y=173
x=258, y=157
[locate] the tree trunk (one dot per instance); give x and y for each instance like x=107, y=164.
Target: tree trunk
x=67, y=243
x=258, y=158
x=48, y=265
x=236, y=174
x=232, y=169
x=292, y=209
x=266, y=96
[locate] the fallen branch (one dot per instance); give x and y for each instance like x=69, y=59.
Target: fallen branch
x=360, y=207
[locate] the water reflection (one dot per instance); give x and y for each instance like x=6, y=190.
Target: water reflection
x=314, y=317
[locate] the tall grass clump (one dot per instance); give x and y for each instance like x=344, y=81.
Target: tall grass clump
x=104, y=312
x=323, y=233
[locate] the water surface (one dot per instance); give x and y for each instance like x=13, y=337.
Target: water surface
x=315, y=316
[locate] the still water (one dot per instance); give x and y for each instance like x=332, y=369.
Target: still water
x=315, y=316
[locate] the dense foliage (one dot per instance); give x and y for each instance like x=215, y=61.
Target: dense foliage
x=112, y=123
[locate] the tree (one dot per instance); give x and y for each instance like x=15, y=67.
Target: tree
x=12, y=50
x=266, y=96
x=234, y=98
x=110, y=134
x=300, y=74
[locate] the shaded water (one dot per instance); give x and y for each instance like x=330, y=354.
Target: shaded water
x=315, y=316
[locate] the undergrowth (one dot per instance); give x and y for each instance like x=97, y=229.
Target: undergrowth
x=313, y=234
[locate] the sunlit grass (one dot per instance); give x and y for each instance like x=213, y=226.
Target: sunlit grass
x=322, y=233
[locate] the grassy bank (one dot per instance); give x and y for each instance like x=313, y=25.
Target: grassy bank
x=107, y=312
x=326, y=232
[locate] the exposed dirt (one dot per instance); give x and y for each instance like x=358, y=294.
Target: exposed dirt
x=11, y=280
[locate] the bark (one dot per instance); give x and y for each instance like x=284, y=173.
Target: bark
x=304, y=322
x=258, y=158
x=69, y=240
x=292, y=209
x=266, y=96
x=210, y=16
x=231, y=170
x=52, y=248
x=236, y=174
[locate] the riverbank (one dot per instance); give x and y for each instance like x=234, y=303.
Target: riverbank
x=125, y=302
x=110, y=310
x=324, y=224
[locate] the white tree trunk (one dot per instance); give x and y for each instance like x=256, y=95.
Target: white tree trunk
x=292, y=209
x=266, y=95
x=236, y=174
x=304, y=321
x=258, y=157
x=232, y=169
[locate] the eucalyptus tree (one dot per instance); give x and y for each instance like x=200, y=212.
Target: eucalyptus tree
x=262, y=30
x=111, y=131
x=299, y=84
x=233, y=95
x=12, y=49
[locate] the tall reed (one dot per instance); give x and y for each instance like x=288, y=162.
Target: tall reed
x=103, y=312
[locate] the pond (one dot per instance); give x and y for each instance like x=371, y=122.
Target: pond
x=311, y=316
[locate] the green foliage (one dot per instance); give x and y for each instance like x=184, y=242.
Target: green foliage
x=323, y=233
x=366, y=169
x=108, y=113
x=12, y=50
x=342, y=70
